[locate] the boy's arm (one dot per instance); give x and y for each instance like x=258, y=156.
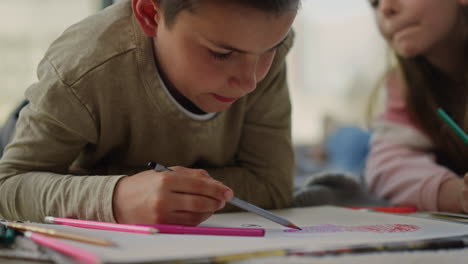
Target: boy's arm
x=264, y=171
x=34, y=180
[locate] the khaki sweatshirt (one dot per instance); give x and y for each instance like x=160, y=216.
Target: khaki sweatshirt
x=99, y=112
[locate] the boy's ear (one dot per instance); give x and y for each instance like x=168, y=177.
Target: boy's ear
x=148, y=15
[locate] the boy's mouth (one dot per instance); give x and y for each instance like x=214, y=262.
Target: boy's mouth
x=224, y=99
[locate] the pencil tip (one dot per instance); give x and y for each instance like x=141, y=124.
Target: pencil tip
x=291, y=225
x=153, y=230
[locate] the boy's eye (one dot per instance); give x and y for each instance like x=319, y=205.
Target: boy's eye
x=221, y=56
x=374, y=3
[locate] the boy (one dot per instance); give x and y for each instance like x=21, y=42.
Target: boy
x=197, y=85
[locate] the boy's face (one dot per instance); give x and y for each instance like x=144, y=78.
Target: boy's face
x=218, y=53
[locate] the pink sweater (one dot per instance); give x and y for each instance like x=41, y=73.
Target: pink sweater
x=401, y=167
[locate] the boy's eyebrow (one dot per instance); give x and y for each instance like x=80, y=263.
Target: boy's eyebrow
x=228, y=47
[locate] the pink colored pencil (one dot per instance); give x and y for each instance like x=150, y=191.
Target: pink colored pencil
x=78, y=254
x=101, y=225
x=208, y=230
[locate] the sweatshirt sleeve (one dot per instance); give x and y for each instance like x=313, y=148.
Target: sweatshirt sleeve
x=265, y=156
x=34, y=170
x=401, y=166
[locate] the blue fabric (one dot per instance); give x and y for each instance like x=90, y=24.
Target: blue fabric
x=347, y=148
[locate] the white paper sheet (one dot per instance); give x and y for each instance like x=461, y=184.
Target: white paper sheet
x=324, y=227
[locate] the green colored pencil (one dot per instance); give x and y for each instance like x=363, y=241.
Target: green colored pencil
x=452, y=124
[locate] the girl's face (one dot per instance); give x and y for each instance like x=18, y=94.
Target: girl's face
x=219, y=53
x=418, y=27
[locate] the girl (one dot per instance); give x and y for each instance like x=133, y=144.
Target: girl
x=416, y=159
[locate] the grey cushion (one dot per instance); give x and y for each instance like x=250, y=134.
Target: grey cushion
x=334, y=188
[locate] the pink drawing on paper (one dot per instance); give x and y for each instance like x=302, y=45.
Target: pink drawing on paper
x=329, y=228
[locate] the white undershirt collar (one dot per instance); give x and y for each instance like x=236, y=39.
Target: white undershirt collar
x=198, y=117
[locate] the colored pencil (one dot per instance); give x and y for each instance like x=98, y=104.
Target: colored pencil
x=447, y=119
x=78, y=254
x=242, y=204
x=427, y=244
x=206, y=230
x=101, y=225
x=386, y=209
x=59, y=234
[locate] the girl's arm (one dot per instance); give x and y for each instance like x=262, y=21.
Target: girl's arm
x=406, y=175
x=451, y=195
x=401, y=166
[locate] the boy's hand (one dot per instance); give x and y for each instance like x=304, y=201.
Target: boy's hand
x=182, y=196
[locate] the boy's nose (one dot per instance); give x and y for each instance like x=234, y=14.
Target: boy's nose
x=246, y=77
x=249, y=81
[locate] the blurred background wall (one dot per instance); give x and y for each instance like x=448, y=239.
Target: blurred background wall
x=336, y=61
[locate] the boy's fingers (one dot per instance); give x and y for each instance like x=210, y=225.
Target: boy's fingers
x=200, y=174
x=188, y=218
x=201, y=187
x=196, y=203
x=197, y=173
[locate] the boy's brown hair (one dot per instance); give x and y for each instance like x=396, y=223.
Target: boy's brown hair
x=172, y=8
